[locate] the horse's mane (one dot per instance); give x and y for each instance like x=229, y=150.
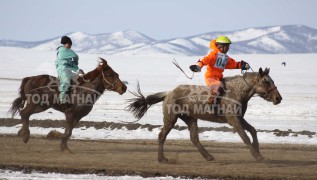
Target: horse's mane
x=236, y=77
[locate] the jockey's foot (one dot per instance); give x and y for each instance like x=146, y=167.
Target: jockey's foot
x=211, y=100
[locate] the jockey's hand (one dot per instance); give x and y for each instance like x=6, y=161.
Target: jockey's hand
x=245, y=65
x=81, y=73
x=195, y=68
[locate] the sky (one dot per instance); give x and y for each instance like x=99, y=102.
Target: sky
x=34, y=20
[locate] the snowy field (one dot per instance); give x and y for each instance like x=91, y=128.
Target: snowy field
x=297, y=83
x=13, y=175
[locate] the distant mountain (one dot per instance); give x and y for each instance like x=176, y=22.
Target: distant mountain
x=22, y=44
x=264, y=40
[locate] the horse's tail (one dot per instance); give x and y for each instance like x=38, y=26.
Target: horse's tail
x=18, y=103
x=140, y=104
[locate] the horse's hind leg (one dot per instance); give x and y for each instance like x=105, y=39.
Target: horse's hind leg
x=255, y=142
x=24, y=132
x=25, y=113
x=70, y=124
x=193, y=129
x=169, y=122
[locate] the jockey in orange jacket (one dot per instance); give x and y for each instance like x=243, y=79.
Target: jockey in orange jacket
x=217, y=61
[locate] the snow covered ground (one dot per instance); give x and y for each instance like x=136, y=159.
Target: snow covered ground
x=8, y=174
x=297, y=83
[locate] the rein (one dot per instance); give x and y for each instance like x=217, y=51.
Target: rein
x=244, y=73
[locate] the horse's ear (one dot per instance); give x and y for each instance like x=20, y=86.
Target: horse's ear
x=261, y=72
x=102, y=61
x=267, y=71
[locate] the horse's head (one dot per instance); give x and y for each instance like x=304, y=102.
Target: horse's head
x=266, y=88
x=110, y=78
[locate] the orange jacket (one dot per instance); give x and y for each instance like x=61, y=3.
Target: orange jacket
x=216, y=62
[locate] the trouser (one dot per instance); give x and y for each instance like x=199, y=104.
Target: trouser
x=216, y=87
x=65, y=76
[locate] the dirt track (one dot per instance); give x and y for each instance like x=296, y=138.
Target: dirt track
x=138, y=157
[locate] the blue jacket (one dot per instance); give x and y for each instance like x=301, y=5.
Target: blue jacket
x=66, y=58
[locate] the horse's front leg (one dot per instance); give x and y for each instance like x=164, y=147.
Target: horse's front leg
x=235, y=122
x=255, y=142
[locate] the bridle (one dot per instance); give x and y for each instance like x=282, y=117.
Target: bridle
x=111, y=85
x=272, y=89
x=267, y=95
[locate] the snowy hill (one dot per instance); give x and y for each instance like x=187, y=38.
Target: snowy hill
x=264, y=40
x=99, y=43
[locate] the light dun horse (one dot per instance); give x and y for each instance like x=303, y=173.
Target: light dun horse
x=189, y=103
x=39, y=93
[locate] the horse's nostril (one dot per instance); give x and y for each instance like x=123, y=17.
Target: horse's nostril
x=277, y=99
x=124, y=88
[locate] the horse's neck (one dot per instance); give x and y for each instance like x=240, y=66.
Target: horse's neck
x=249, y=87
x=243, y=86
x=91, y=75
x=96, y=85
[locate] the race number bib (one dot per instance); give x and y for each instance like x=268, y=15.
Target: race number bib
x=221, y=61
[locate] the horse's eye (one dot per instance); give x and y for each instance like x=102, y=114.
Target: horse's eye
x=267, y=82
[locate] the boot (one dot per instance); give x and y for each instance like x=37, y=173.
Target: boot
x=214, y=95
x=213, y=98
x=64, y=103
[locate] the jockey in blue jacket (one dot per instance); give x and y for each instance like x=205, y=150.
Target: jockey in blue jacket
x=67, y=67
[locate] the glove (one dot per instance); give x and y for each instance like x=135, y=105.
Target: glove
x=75, y=60
x=195, y=68
x=245, y=65
x=81, y=73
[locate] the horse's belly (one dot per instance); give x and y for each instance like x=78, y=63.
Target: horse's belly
x=211, y=118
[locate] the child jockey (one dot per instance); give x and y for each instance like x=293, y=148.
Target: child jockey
x=217, y=61
x=67, y=67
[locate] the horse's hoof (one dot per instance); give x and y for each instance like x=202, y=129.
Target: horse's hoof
x=25, y=134
x=259, y=158
x=26, y=138
x=209, y=158
x=67, y=150
x=54, y=135
x=163, y=160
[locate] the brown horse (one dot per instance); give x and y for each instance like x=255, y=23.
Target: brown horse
x=39, y=93
x=190, y=102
